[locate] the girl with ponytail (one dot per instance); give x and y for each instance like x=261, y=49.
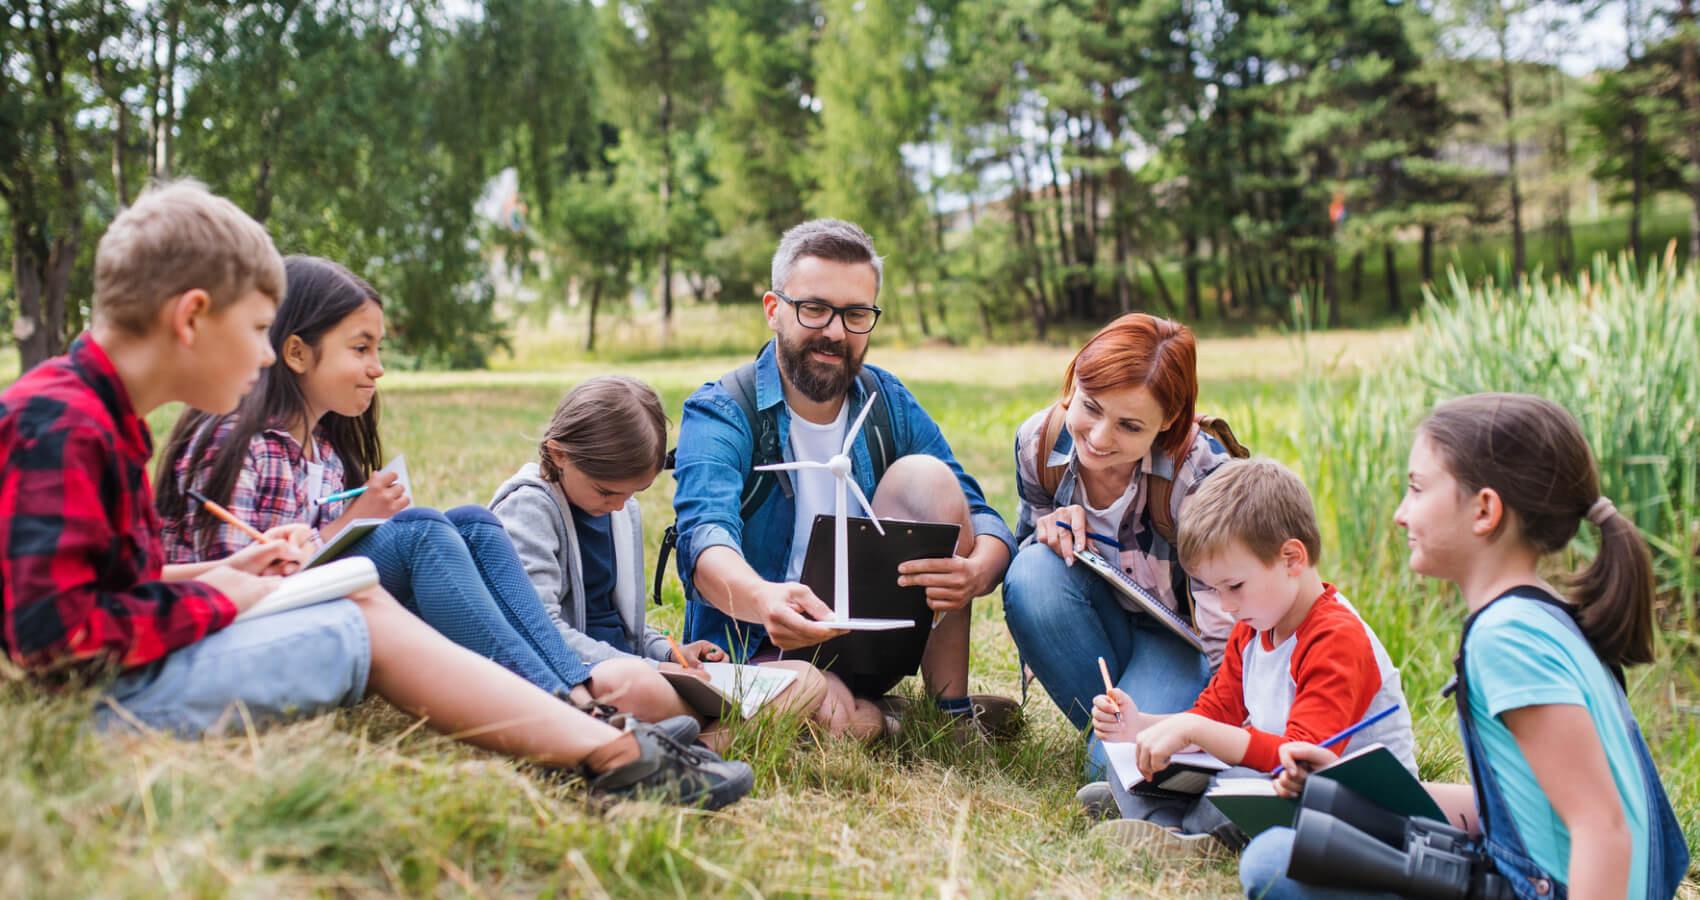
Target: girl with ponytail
x=1564, y=793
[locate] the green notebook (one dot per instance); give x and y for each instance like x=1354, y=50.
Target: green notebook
x=1372, y=771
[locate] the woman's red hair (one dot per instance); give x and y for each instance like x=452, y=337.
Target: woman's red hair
x=1139, y=350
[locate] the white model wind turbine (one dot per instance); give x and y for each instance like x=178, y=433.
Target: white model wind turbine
x=839, y=466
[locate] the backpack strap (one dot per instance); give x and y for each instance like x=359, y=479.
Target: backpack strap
x=1160, y=503
x=1050, y=477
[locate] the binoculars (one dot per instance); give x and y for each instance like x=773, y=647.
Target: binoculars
x=1346, y=841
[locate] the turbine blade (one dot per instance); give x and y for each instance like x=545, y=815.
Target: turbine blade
x=850, y=436
x=790, y=466
x=866, y=506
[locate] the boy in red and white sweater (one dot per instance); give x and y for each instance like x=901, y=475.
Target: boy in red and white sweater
x=1300, y=665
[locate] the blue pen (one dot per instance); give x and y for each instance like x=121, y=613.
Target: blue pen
x=1367, y=722
x=1104, y=539
x=349, y=494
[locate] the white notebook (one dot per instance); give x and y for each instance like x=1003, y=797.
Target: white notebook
x=747, y=688
x=331, y=581
x=1188, y=772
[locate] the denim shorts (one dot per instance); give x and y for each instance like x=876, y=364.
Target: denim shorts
x=279, y=667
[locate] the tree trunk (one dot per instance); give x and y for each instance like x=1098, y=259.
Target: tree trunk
x=1163, y=295
x=1637, y=156
x=1508, y=106
x=1425, y=264
x=1189, y=266
x=168, y=122
x=1390, y=274
x=1330, y=289
x=1357, y=266
x=595, y=302
x=1691, y=125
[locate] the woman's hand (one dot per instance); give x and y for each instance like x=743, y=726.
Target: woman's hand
x=242, y=588
x=1298, y=760
x=1063, y=530
x=694, y=671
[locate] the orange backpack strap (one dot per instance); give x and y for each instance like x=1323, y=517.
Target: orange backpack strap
x=1159, y=502
x=1050, y=477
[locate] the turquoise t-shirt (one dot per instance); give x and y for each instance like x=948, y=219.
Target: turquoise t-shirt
x=1519, y=655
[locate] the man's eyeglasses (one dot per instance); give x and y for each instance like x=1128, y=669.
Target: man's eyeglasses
x=815, y=314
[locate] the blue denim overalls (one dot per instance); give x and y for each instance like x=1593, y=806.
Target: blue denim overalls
x=1667, y=857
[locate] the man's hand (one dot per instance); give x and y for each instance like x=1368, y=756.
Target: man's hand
x=1298, y=760
x=1115, y=717
x=698, y=652
x=1063, y=530
x=243, y=588
x=276, y=555
x=1163, y=739
x=792, y=615
x=951, y=581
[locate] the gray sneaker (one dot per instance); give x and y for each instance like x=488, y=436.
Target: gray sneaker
x=673, y=772
x=1097, y=801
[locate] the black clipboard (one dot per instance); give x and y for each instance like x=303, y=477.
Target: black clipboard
x=874, y=592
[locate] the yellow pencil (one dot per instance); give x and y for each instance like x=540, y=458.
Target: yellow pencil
x=226, y=515
x=1109, y=686
x=678, y=651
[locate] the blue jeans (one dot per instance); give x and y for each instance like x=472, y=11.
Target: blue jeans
x=1263, y=872
x=1064, y=617
x=458, y=571
x=291, y=665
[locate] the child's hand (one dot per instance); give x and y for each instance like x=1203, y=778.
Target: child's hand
x=1298, y=760
x=384, y=497
x=1163, y=739
x=693, y=671
x=243, y=589
x=698, y=652
x=1114, y=715
x=1063, y=530
x=273, y=556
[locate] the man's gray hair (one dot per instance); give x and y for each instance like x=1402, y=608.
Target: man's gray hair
x=834, y=240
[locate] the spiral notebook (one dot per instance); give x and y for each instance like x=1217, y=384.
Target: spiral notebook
x=1141, y=596
x=331, y=581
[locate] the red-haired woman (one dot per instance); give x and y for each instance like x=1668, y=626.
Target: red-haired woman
x=1087, y=470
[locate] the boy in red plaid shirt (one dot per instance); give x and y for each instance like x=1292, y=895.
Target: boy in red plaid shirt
x=186, y=287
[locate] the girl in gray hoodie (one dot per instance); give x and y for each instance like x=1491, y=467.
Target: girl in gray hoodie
x=574, y=520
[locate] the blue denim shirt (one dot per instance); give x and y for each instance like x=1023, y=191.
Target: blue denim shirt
x=715, y=453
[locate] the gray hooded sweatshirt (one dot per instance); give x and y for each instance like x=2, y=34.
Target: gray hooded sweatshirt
x=539, y=521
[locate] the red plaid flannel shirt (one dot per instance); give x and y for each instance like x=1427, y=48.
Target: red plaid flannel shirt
x=80, y=554
x=270, y=490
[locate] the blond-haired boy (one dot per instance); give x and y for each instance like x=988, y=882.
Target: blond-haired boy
x=186, y=288
x=1299, y=665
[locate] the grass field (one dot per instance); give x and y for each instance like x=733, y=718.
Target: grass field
x=364, y=802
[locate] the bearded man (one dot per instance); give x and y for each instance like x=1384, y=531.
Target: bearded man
x=741, y=553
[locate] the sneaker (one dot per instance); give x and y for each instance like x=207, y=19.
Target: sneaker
x=997, y=718
x=1097, y=801
x=673, y=772
x=683, y=729
x=1155, y=840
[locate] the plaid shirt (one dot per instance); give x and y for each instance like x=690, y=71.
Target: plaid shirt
x=1144, y=555
x=80, y=555
x=270, y=490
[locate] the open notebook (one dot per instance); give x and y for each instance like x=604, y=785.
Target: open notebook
x=330, y=581
x=1188, y=772
x=1372, y=771
x=747, y=688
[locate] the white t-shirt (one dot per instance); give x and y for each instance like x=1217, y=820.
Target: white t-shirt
x=815, y=492
x=315, y=482
x=1107, y=521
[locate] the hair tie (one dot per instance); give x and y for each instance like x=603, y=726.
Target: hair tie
x=1602, y=510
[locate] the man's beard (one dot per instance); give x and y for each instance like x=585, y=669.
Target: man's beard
x=819, y=381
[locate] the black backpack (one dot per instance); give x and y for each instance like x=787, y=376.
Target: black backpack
x=740, y=383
